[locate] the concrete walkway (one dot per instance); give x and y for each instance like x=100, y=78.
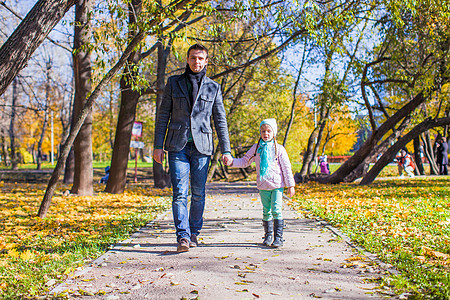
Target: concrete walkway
x=230, y=262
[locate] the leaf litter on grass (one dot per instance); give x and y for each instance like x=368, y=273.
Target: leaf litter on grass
x=77, y=229
x=405, y=222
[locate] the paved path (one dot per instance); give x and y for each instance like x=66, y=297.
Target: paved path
x=230, y=262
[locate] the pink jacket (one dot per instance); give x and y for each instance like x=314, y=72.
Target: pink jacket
x=279, y=176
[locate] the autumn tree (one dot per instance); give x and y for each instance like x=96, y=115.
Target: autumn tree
x=17, y=50
x=83, y=170
x=408, y=63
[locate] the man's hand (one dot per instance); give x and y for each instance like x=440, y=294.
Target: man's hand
x=227, y=159
x=158, y=155
x=291, y=191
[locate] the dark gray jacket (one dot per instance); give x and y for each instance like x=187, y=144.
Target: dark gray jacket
x=175, y=117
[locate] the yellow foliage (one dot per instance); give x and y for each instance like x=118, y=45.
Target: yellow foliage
x=412, y=212
x=27, y=255
x=68, y=218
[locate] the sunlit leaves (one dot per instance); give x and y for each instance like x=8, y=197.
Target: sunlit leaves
x=404, y=222
x=76, y=229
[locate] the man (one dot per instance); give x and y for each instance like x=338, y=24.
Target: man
x=183, y=128
x=442, y=156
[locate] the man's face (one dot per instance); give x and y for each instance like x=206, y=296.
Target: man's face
x=197, y=60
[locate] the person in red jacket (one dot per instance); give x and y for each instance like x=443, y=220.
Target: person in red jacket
x=405, y=163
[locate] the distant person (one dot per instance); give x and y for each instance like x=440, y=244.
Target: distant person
x=183, y=128
x=273, y=174
x=324, y=166
x=442, y=156
x=421, y=154
x=405, y=163
x=105, y=178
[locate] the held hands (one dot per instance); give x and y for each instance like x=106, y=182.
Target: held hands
x=158, y=155
x=227, y=159
x=291, y=191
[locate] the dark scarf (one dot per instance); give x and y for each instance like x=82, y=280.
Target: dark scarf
x=195, y=79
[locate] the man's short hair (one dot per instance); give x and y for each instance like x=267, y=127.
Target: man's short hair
x=197, y=46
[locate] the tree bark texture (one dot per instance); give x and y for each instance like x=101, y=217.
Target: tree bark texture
x=41, y=139
x=127, y=114
x=363, y=167
x=69, y=169
x=429, y=152
x=389, y=155
x=45, y=124
x=308, y=156
x=417, y=157
x=82, y=148
x=5, y=154
x=46, y=201
x=17, y=50
x=353, y=162
x=161, y=176
x=119, y=161
x=214, y=163
x=12, y=131
x=322, y=124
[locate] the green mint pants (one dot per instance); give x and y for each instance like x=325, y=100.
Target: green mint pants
x=272, y=202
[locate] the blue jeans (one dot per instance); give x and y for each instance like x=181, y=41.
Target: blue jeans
x=181, y=164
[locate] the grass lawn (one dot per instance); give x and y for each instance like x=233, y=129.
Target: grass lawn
x=405, y=222
x=36, y=254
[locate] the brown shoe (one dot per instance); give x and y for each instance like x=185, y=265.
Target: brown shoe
x=183, y=245
x=194, y=242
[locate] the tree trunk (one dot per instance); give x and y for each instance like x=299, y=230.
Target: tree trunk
x=82, y=147
x=46, y=201
x=118, y=172
x=430, y=153
x=69, y=170
x=12, y=131
x=161, y=176
x=322, y=124
x=45, y=124
x=41, y=139
x=308, y=156
x=363, y=167
x=389, y=155
x=417, y=157
x=349, y=165
x=70, y=162
x=127, y=113
x=294, y=99
x=5, y=154
x=17, y=50
x=214, y=163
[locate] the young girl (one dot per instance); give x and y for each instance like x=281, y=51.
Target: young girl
x=273, y=174
x=324, y=167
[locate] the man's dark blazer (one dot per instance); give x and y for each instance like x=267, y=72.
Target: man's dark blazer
x=176, y=117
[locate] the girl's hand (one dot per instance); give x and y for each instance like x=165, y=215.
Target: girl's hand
x=291, y=191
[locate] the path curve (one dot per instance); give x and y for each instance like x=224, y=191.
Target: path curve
x=230, y=262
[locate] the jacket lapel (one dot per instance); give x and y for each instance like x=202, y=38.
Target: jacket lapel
x=183, y=86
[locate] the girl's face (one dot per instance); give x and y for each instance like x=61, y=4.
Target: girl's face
x=266, y=132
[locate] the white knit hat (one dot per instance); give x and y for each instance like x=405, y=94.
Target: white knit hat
x=272, y=123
